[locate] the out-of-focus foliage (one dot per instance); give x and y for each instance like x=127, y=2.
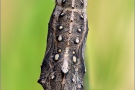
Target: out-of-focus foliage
x=109, y=49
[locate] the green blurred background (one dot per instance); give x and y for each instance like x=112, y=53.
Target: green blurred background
x=109, y=51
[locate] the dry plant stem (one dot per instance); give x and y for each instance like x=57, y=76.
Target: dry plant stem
x=63, y=65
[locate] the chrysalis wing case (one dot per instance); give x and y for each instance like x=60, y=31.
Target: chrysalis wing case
x=63, y=65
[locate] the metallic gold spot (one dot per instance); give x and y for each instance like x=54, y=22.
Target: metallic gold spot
x=60, y=38
x=79, y=30
x=82, y=16
x=65, y=66
x=56, y=57
x=73, y=52
x=52, y=77
x=62, y=14
x=74, y=59
x=60, y=27
x=77, y=40
x=73, y=80
x=59, y=50
x=63, y=1
x=72, y=6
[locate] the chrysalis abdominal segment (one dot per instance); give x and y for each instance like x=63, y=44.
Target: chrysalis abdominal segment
x=63, y=65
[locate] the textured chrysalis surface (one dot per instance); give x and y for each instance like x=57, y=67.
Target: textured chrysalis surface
x=63, y=65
